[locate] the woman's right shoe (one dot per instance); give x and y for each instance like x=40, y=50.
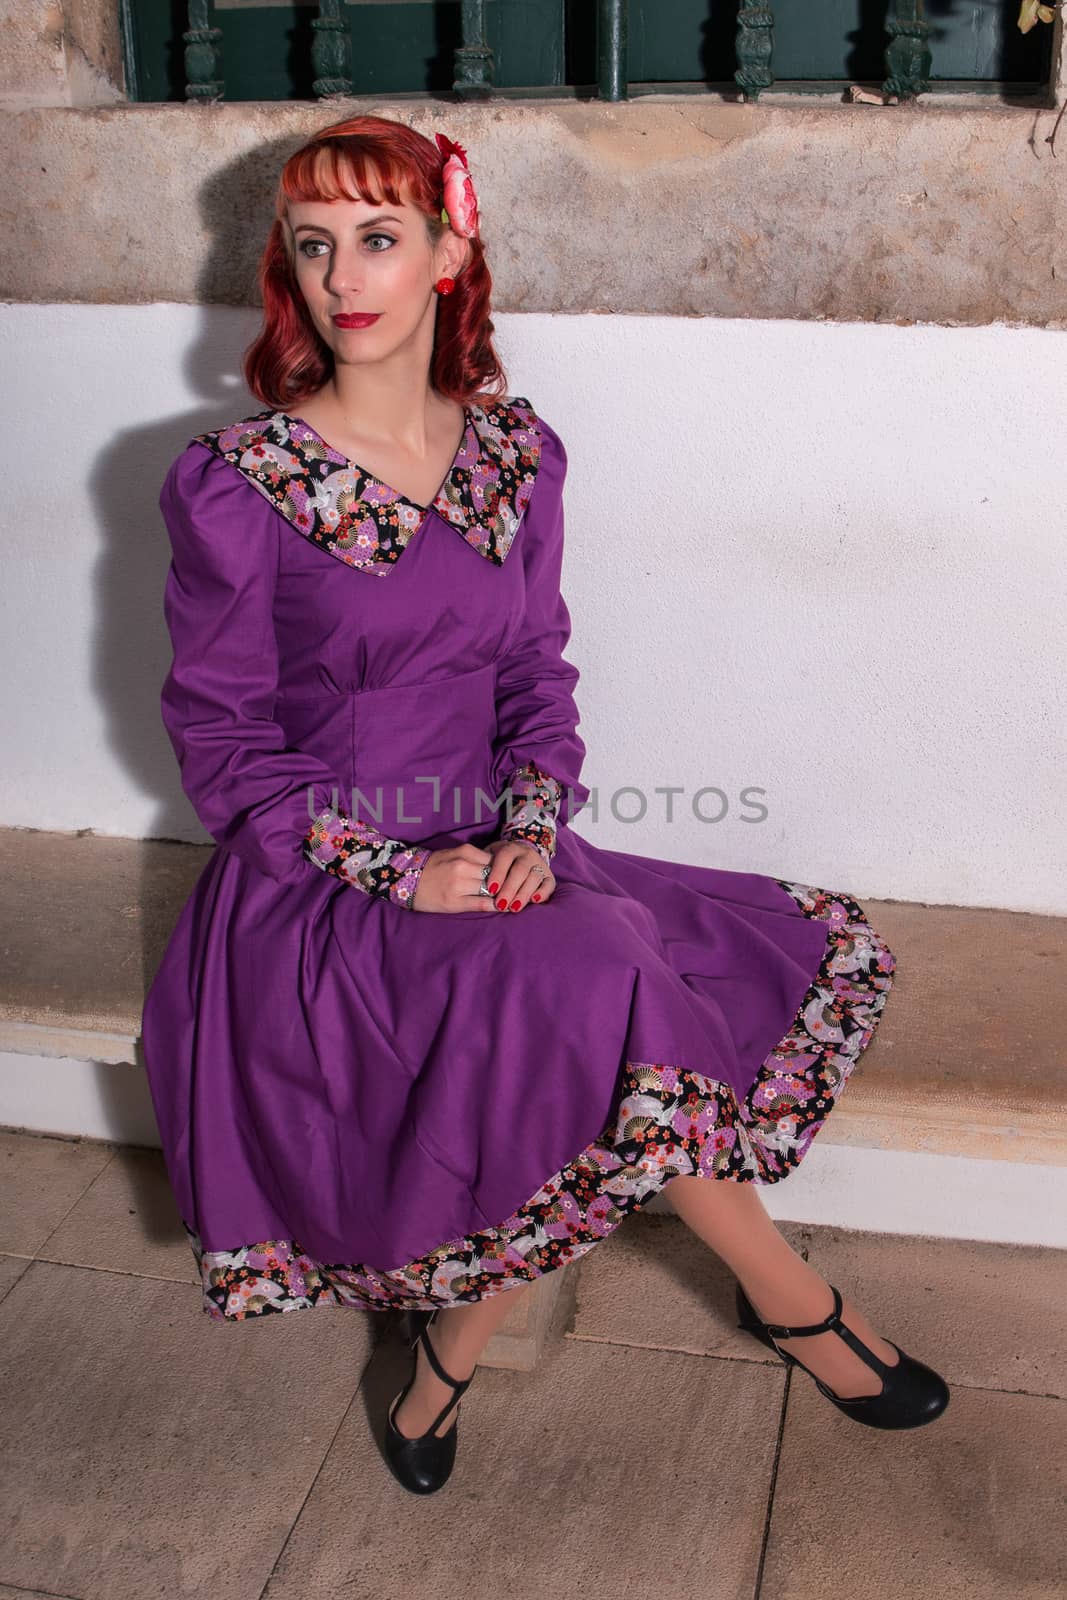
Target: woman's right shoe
x=425, y=1463
x=911, y=1393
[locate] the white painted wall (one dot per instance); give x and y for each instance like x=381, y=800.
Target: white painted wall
x=826, y=560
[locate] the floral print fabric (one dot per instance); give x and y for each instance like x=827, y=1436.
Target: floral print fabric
x=356, y=517
x=534, y=820
x=362, y=855
x=668, y=1122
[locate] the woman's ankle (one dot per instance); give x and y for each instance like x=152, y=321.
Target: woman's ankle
x=425, y=1400
x=813, y=1303
x=797, y=1297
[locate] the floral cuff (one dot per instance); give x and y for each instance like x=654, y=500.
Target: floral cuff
x=534, y=816
x=365, y=858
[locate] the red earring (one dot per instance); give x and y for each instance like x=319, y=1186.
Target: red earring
x=445, y=285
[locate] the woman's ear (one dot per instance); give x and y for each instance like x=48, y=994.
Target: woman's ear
x=460, y=254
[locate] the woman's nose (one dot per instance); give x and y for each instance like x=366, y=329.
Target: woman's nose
x=345, y=276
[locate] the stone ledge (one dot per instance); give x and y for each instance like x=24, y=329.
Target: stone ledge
x=674, y=204
x=52, y=1039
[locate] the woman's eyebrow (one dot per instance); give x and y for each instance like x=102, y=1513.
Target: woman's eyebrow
x=317, y=227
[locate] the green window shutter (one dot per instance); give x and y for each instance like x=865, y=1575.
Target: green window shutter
x=397, y=46
x=408, y=46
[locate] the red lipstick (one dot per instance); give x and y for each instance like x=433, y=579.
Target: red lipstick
x=356, y=319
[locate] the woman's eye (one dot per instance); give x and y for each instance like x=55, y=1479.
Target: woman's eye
x=388, y=237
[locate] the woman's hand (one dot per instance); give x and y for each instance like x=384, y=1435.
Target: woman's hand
x=451, y=879
x=520, y=874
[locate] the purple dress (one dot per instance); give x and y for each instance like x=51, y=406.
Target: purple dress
x=362, y=1103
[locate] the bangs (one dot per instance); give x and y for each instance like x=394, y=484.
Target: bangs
x=344, y=169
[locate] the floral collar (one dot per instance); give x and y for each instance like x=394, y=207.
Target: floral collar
x=359, y=519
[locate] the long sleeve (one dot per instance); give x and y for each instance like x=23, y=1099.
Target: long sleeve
x=268, y=803
x=538, y=753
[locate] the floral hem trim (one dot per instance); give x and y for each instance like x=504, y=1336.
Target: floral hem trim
x=669, y=1123
x=534, y=820
x=363, y=857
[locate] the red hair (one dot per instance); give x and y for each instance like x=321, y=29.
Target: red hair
x=367, y=158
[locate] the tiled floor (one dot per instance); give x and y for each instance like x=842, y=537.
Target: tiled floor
x=655, y=1452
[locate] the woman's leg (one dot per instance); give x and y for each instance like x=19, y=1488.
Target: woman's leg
x=729, y=1215
x=458, y=1336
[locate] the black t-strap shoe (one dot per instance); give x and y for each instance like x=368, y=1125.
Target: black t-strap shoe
x=911, y=1394
x=425, y=1463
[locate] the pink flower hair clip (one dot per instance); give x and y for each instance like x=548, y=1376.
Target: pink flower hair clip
x=459, y=204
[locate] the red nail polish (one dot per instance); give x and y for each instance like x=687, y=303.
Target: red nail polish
x=535, y=897
x=515, y=905
x=493, y=887
x=502, y=905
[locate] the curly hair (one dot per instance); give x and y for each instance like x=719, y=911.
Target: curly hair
x=367, y=158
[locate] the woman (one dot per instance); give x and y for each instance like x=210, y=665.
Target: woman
x=379, y=1082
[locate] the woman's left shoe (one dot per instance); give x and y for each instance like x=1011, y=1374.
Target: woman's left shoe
x=911, y=1394
x=423, y=1463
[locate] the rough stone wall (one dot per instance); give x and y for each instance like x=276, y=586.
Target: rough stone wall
x=60, y=53
x=945, y=210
